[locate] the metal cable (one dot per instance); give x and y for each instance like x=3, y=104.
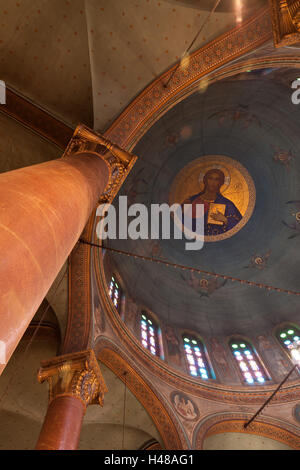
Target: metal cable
x=195, y=270
x=192, y=43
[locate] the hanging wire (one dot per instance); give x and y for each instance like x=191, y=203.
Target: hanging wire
x=192, y=43
x=16, y=369
x=194, y=270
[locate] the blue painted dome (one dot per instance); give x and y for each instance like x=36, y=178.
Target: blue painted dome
x=251, y=119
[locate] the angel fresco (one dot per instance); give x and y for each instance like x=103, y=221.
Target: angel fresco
x=259, y=261
x=131, y=313
x=173, y=345
x=156, y=249
x=241, y=114
x=184, y=406
x=220, y=356
x=273, y=356
x=283, y=157
x=295, y=225
x=204, y=287
x=220, y=213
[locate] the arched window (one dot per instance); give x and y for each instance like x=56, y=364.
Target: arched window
x=196, y=357
x=250, y=366
x=289, y=337
x=115, y=292
x=149, y=334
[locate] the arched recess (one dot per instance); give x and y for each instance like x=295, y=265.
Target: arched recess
x=286, y=333
x=247, y=361
x=172, y=437
x=150, y=319
x=234, y=422
x=197, y=360
x=152, y=445
x=111, y=271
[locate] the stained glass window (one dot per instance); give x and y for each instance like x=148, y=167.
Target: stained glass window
x=196, y=358
x=289, y=337
x=115, y=292
x=249, y=364
x=149, y=334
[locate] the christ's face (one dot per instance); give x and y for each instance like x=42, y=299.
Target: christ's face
x=213, y=182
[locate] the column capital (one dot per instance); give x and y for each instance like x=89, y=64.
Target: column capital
x=285, y=22
x=77, y=375
x=119, y=161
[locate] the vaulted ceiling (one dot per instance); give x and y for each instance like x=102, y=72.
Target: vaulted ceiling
x=85, y=60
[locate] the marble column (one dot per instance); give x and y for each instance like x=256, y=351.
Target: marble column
x=43, y=211
x=75, y=381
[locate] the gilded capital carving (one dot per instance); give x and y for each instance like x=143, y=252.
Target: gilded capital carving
x=77, y=375
x=118, y=160
x=285, y=21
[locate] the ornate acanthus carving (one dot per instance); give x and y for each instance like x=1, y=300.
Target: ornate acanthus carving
x=119, y=161
x=75, y=374
x=286, y=21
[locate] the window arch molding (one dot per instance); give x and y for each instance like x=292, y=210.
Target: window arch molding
x=247, y=361
x=197, y=361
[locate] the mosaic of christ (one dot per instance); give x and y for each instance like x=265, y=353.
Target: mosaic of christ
x=220, y=213
x=225, y=189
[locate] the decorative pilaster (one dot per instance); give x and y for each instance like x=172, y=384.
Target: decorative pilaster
x=75, y=381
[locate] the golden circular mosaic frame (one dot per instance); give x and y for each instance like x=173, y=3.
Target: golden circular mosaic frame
x=238, y=187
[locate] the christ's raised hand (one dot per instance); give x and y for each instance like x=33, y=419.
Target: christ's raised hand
x=219, y=217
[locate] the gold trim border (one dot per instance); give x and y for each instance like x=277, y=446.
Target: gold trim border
x=252, y=194
x=234, y=422
x=149, y=105
x=146, y=396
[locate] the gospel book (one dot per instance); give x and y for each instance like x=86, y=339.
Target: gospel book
x=214, y=209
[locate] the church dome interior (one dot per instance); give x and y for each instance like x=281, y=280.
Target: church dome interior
x=152, y=345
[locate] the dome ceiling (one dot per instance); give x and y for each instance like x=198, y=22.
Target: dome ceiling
x=250, y=119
